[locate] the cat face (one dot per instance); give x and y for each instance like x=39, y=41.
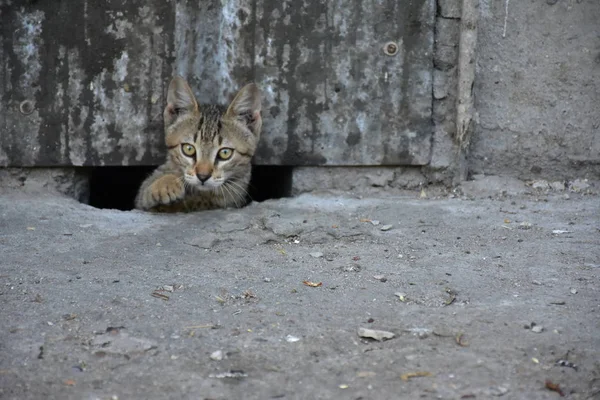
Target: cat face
x=213, y=145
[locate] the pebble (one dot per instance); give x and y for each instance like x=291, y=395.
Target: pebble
x=316, y=254
x=401, y=296
x=375, y=222
x=579, y=185
x=375, y=334
x=216, y=355
x=573, y=291
x=497, y=391
x=541, y=184
x=267, y=279
x=291, y=338
x=525, y=225
x=537, y=329
x=386, y=227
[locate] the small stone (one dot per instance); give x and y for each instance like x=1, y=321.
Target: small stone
x=168, y=288
x=375, y=334
x=558, y=186
x=573, y=291
x=386, y=227
x=380, y=277
x=579, y=184
x=216, y=355
x=316, y=254
x=537, y=283
x=497, y=391
x=291, y=338
x=537, y=329
x=343, y=386
x=375, y=222
x=401, y=296
x=267, y=280
x=541, y=184
x=525, y=225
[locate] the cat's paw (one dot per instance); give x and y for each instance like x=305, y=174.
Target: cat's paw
x=165, y=190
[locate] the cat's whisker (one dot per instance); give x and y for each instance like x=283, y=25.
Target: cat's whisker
x=238, y=194
x=242, y=189
x=232, y=197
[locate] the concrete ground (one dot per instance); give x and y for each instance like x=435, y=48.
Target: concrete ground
x=484, y=289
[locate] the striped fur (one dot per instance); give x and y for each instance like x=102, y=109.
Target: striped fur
x=210, y=148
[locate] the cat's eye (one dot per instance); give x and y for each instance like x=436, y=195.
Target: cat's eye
x=188, y=149
x=225, y=153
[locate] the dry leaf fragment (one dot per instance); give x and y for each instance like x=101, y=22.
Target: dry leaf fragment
x=409, y=375
x=555, y=387
x=312, y=284
x=70, y=382
x=506, y=221
x=365, y=220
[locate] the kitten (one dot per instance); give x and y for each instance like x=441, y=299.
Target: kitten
x=210, y=148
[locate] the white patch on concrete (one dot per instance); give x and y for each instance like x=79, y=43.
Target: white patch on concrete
x=121, y=67
x=76, y=132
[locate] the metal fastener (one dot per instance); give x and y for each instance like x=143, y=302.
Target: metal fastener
x=26, y=107
x=390, y=48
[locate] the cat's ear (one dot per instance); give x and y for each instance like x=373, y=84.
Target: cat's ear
x=246, y=106
x=180, y=100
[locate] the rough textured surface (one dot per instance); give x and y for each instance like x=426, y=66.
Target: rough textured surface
x=69, y=181
x=355, y=179
x=80, y=320
x=85, y=85
x=538, y=89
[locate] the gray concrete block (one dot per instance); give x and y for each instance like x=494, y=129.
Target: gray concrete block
x=536, y=91
x=449, y=8
x=72, y=182
x=309, y=179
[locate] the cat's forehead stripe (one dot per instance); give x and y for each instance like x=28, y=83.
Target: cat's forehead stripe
x=210, y=121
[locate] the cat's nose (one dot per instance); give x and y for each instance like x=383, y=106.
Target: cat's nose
x=203, y=177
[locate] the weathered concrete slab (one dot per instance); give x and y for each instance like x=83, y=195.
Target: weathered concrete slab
x=538, y=90
x=85, y=85
x=79, y=318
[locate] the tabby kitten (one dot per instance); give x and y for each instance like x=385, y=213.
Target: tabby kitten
x=209, y=152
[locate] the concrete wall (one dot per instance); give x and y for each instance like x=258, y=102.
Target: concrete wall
x=332, y=95
x=538, y=89
x=85, y=85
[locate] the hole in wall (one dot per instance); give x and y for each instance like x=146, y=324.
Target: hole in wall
x=116, y=187
x=270, y=182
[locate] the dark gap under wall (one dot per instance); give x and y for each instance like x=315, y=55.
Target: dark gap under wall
x=116, y=187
